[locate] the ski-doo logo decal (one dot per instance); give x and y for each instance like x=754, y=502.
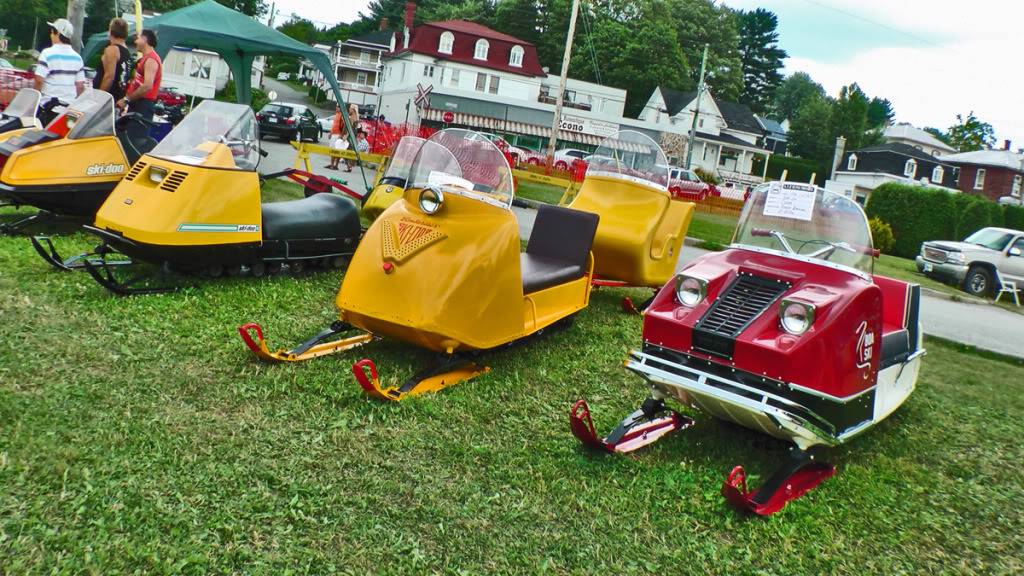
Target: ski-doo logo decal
x=218, y=228
x=104, y=169
x=405, y=236
x=865, y=345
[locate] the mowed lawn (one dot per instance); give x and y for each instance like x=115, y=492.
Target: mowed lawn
x=138, y=435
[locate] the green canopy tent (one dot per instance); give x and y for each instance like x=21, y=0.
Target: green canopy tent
x=236, y=38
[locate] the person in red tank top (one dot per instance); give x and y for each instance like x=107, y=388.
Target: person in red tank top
x=142, y=90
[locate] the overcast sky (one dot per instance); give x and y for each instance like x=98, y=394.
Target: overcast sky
x=933, y=59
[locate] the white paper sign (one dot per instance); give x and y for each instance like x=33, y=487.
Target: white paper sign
x=790, y=200
x=441, y=179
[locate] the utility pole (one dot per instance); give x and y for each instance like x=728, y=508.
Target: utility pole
x=561, y=83
x=696, y=113
x=76, y=14
x=273, y=12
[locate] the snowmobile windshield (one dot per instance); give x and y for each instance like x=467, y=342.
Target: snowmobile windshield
x=632, y=156
x=91, y=115
x=464, y=163
x=403, y=156
x=809, y=223
x=24, y=104
x=209, y=128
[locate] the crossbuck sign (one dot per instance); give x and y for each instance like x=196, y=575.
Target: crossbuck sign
x=423, y=95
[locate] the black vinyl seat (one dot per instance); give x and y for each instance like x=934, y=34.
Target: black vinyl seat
x=895, y=348
x=559, y=247
x=318, y=216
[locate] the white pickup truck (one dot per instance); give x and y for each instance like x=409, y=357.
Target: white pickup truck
x=973, y=263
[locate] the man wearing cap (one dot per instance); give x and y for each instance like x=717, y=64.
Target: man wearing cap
x=60, y=72
x=141, y=94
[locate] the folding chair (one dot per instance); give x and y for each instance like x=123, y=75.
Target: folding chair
x=1009, y=286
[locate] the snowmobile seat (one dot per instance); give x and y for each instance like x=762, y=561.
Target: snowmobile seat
x=559, y=247
x=133, y=134
x=895, y=348
x=30, y=138
x=901, y=303
x=320, y=216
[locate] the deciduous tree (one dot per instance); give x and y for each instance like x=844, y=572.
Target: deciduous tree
x=793, y=93
x=970, y=133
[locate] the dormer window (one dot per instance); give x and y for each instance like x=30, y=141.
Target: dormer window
x=444, y=46
x=851, y=163
x=910, y=168
x=480, y=53
x=515, y=58
x=937, y=174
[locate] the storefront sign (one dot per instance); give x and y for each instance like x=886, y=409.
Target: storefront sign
x=588, y=126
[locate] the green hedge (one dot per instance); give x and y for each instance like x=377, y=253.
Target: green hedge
x=918, y=214
x=799, y=169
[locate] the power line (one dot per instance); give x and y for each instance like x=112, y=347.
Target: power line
x=876, y=23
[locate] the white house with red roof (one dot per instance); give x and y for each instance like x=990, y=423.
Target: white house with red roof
x=490, y=81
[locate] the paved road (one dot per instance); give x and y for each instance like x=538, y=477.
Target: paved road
x=987, y=327
x=285, y=93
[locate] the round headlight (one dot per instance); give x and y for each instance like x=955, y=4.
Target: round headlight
x=431, y=200
x=690, y=291
x=796, y=317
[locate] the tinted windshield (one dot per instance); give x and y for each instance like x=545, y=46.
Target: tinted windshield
x=632, y=156
x=89, y=116
x=24, y=104
x=277, y=109
x=213, y=125
x=465, y=163
x=403, y=156
x=990, y=238
x=809, y=221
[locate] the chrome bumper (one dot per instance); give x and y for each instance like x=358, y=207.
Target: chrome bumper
x=948, y=270
x=730, y=400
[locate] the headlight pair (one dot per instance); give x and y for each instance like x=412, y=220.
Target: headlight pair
x=796, y=317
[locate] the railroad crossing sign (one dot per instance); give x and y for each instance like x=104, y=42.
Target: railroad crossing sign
x=423, y=96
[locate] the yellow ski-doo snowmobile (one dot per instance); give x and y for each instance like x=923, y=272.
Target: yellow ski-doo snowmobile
x=442, y=269
x=192, y=206
x=642, y=228
x=392, y=185
x=71, y=167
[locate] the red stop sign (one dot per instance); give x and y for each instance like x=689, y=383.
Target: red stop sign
x=448, y=117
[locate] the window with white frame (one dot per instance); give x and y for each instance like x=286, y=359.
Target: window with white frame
x=446, y=42
x=851, y=163
x=910, y=168
x=480, y=53
x=364, y=56
x=493, y=87
x=481, y=81
x=937, y=174
x=361, y=78
x=979, y=179
x=428, y=70
x=454, y=80
x=515, y=57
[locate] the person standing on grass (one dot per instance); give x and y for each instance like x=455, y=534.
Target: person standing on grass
x=114, y=71
x=60, y=72
x=337, y=142
x=140, y=96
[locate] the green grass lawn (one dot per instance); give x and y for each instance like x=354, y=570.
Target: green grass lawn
x=712, y=228
x=138, y=435
x=539, y=192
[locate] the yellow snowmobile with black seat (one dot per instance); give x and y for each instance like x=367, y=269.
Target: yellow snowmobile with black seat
x=442, y=269
x=392, y=185
x=192, y=206
x=71, y=167
x=642, y=227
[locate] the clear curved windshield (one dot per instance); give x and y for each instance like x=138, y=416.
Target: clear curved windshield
x=24, y=104
x=91, y=115
x=464, y=163
x=403, y=156
x=990, y=238
x=208, y=130
x=807, y=221
x=630, y=155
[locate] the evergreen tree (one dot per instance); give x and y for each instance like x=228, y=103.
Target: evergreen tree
x=761, y=57
x=880, y=112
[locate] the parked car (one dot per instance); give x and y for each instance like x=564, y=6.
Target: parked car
x=973, y=263
x=564, y=157
x=11, y=80
x=686, y=185
x=170, y=97
x=283, y=76
x=288, y=121
x=517, y=154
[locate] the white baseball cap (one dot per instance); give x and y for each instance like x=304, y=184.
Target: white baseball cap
x=63, y=27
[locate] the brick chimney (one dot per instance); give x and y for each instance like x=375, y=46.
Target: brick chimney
x=383, y=23
x=1006, y=144
x=410, y=14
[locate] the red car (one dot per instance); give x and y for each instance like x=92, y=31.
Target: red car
x=170, y=97
x=788, y=333
x=11, y=80
x=684, y=184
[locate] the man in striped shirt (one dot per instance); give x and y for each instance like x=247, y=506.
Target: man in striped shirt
x=60, y=72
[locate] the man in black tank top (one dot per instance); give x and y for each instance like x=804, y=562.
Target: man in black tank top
x=114, y=70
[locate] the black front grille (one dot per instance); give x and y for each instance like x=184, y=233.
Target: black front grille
x=737, y=306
